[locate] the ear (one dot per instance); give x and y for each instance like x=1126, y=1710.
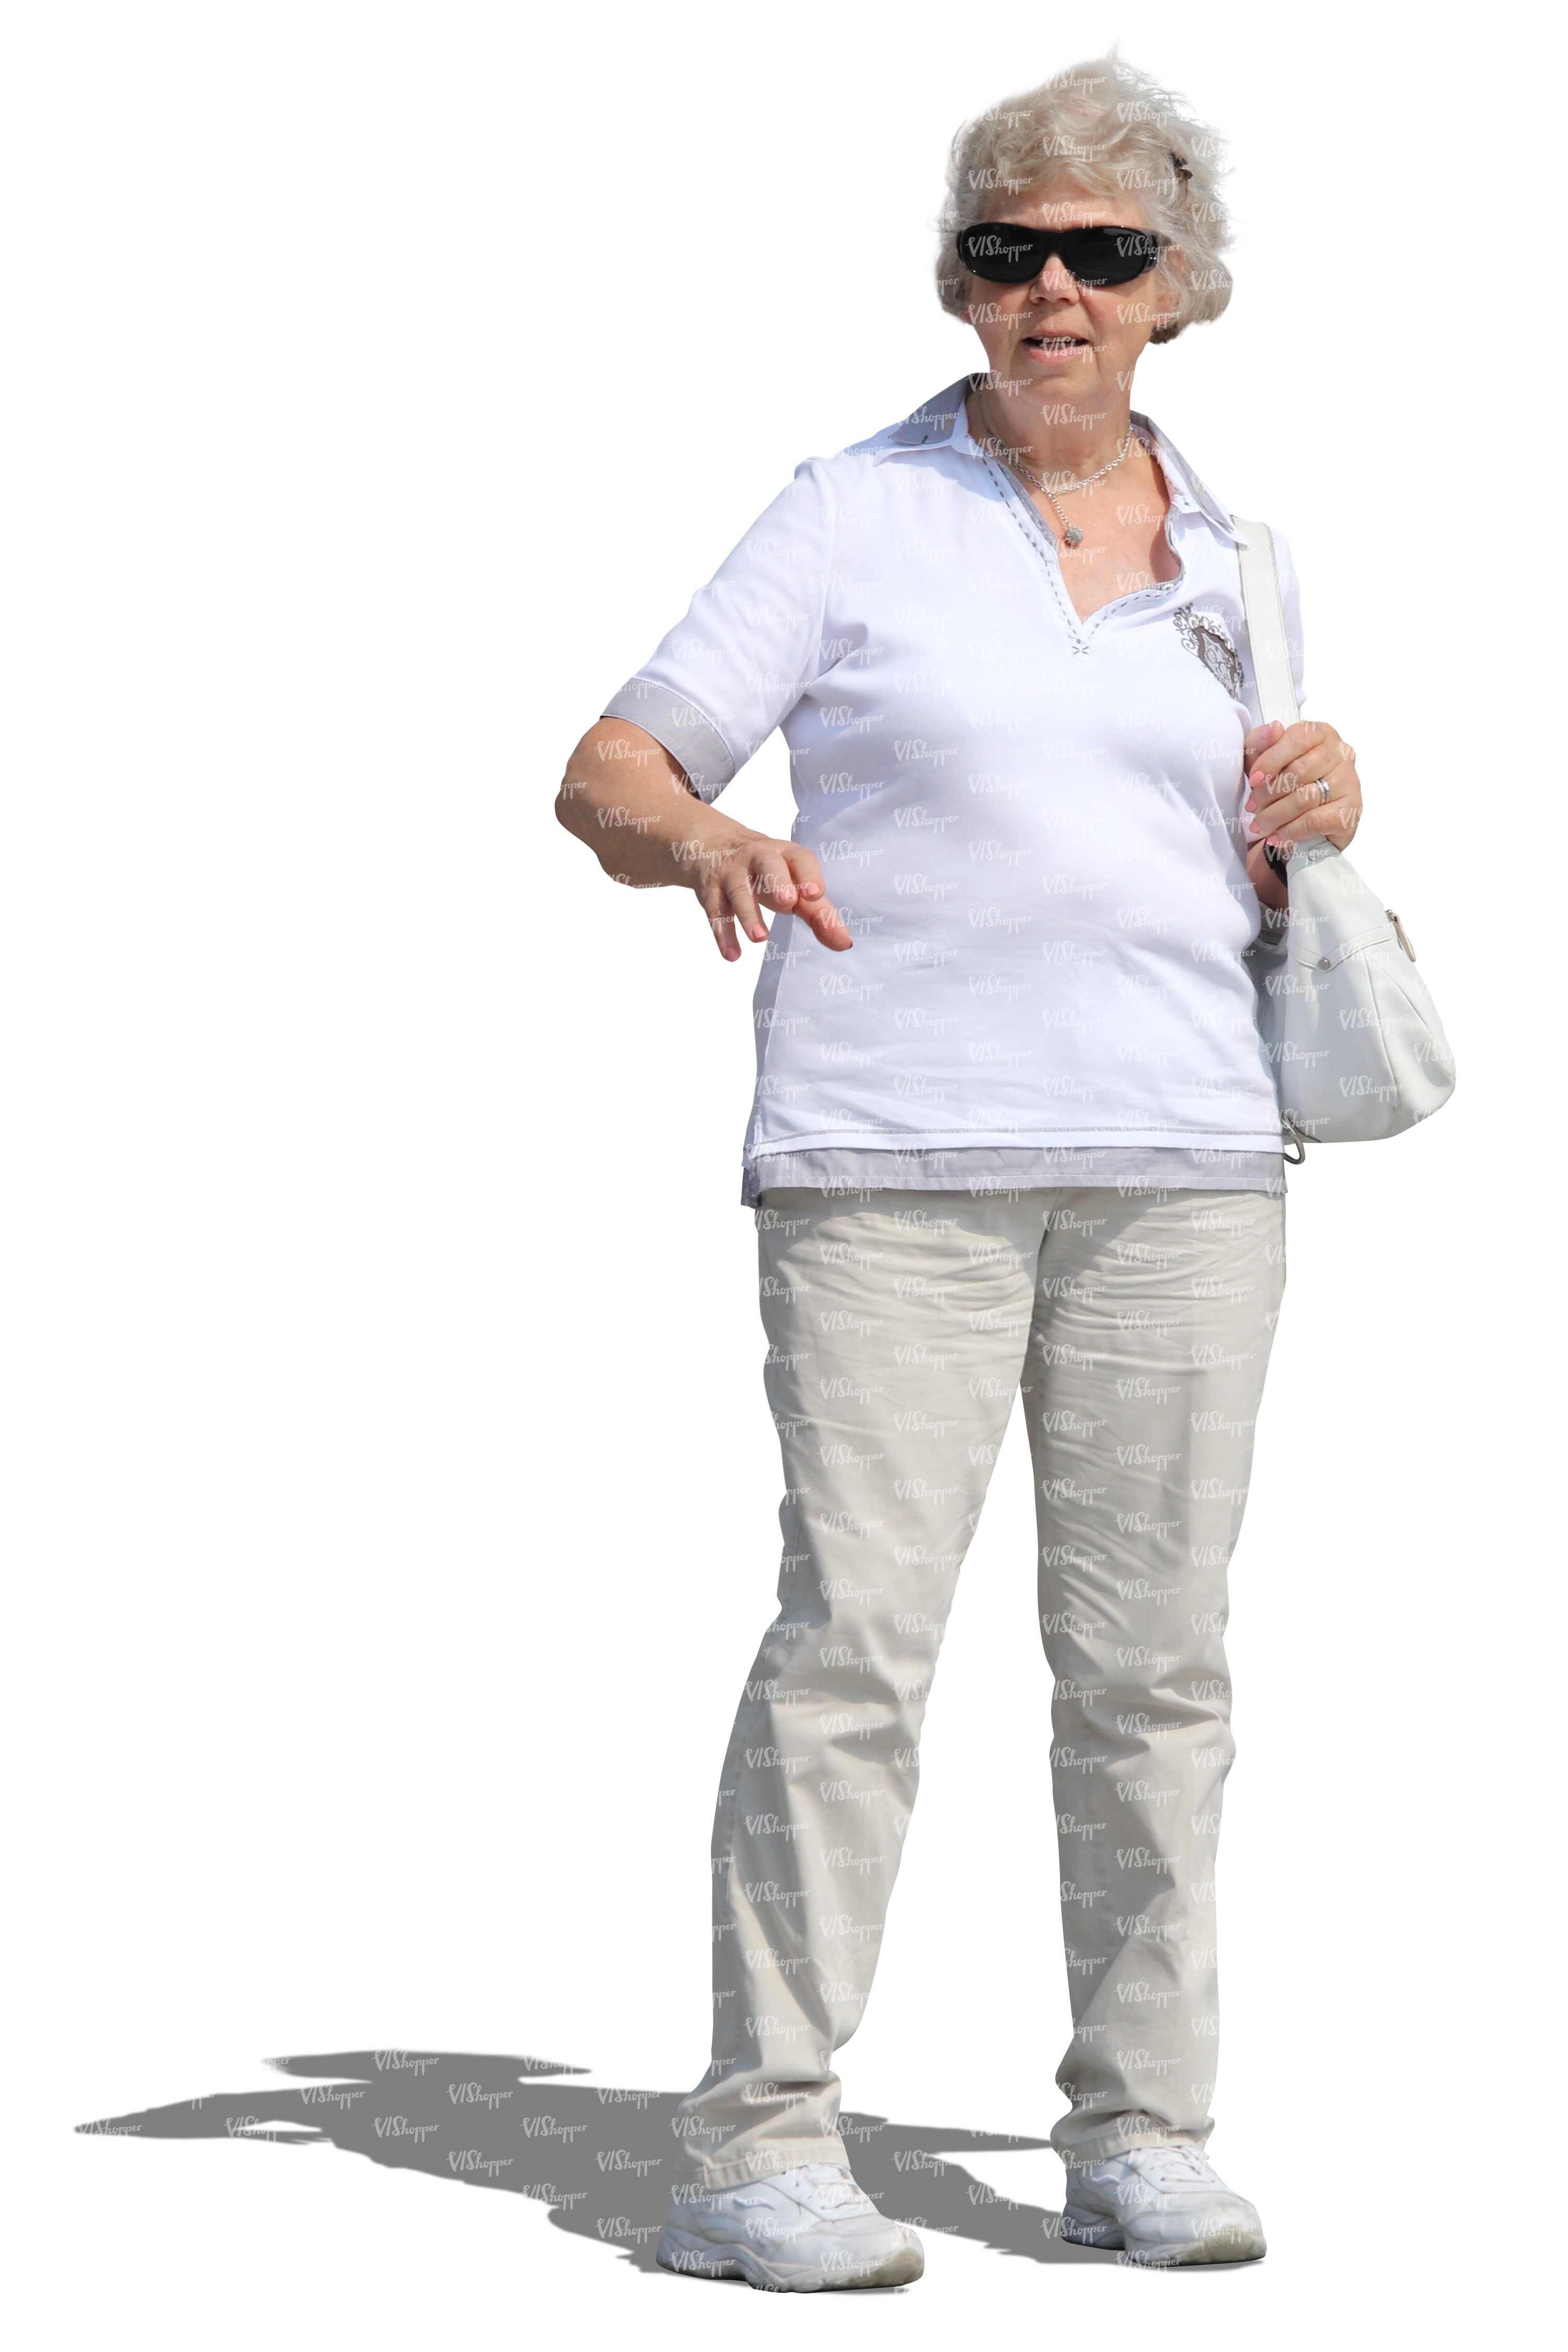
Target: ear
x=1167, y=288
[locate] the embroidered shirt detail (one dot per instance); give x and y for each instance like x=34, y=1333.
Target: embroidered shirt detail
x=1205, y=635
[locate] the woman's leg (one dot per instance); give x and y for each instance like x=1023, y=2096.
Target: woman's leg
x=1154, y=1322
x=897, y=1323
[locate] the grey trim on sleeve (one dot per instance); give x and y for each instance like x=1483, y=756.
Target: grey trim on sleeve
x=686, y=732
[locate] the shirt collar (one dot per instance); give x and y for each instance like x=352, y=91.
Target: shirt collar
x=939, y=421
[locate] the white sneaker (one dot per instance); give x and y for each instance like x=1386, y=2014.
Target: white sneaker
x=810, y=2227
x=1161, y=2204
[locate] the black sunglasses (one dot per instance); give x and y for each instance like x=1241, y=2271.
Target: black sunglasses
x=1010, y=254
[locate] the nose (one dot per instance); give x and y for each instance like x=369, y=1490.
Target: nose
x=1055, y=281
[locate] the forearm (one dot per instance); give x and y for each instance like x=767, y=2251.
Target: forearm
x=1269, y=886
x=627, y=798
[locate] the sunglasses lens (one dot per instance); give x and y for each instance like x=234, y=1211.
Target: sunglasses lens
x=1010, y=254
x=1110, y=256
x=1003, y=252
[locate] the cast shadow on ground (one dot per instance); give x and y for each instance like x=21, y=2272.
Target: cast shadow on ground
x=596, y=2154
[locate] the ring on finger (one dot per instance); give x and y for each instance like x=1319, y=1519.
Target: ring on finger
x=1325, y=790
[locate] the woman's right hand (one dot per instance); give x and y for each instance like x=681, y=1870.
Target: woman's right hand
x=734, y=882
x=627, y=797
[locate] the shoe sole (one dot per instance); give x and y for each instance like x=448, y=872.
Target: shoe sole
x=695, y=2257
x=1229, y=2245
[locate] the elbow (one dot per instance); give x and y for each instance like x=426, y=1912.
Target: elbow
x=573, y=802
x=572, y=811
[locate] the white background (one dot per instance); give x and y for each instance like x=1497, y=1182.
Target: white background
x=391, y=1490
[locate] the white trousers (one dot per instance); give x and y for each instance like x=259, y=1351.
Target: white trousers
x=900, y=1326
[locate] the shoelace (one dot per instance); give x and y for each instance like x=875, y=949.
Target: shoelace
x=1177, y=2157
x=833, y=2185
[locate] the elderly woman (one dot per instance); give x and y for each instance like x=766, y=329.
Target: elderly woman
x=1015, y=1132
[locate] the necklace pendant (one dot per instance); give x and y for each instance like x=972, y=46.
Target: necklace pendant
x=1073, y=536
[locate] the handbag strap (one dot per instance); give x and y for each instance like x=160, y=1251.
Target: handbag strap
x=1266, y=623
x=1271, y=655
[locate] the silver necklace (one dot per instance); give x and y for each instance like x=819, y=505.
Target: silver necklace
x=1070, y=533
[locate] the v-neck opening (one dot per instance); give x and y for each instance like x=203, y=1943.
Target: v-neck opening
x=1083, y=625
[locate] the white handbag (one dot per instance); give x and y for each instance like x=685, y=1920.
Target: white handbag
x=1350, y=1026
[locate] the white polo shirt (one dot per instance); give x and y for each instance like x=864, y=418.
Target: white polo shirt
x=1033, y=824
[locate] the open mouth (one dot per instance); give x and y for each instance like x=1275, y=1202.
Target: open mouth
x=1056, y=342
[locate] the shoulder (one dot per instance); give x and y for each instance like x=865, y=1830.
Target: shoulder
x=927, y=426
x=1191, y=496
x=1249, y=528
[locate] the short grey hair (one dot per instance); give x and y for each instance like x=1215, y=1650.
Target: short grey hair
x=1113, y=131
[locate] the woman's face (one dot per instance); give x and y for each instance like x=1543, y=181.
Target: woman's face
x=1077, y=343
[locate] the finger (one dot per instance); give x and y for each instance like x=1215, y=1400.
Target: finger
x=1273, y=809
x=1308, y=735
x=720, y=921
x=1291, y=791
x=1260, y=738
x=825, y=923
x=1288, y=765
x=803, y=866
x=1301, y=735
x=807, y=895
x=1306, y=798
x=772, y=880
x=738, y=888
x=1339, y=814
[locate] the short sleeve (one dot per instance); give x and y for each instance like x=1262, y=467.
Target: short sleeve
x=751, y=643
x=1290, y=603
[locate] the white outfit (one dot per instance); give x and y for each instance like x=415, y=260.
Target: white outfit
x=1033, y=824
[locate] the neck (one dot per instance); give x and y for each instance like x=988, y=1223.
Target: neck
x=1053, y=436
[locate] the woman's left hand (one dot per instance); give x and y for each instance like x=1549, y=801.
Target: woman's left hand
x=1284, y=765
